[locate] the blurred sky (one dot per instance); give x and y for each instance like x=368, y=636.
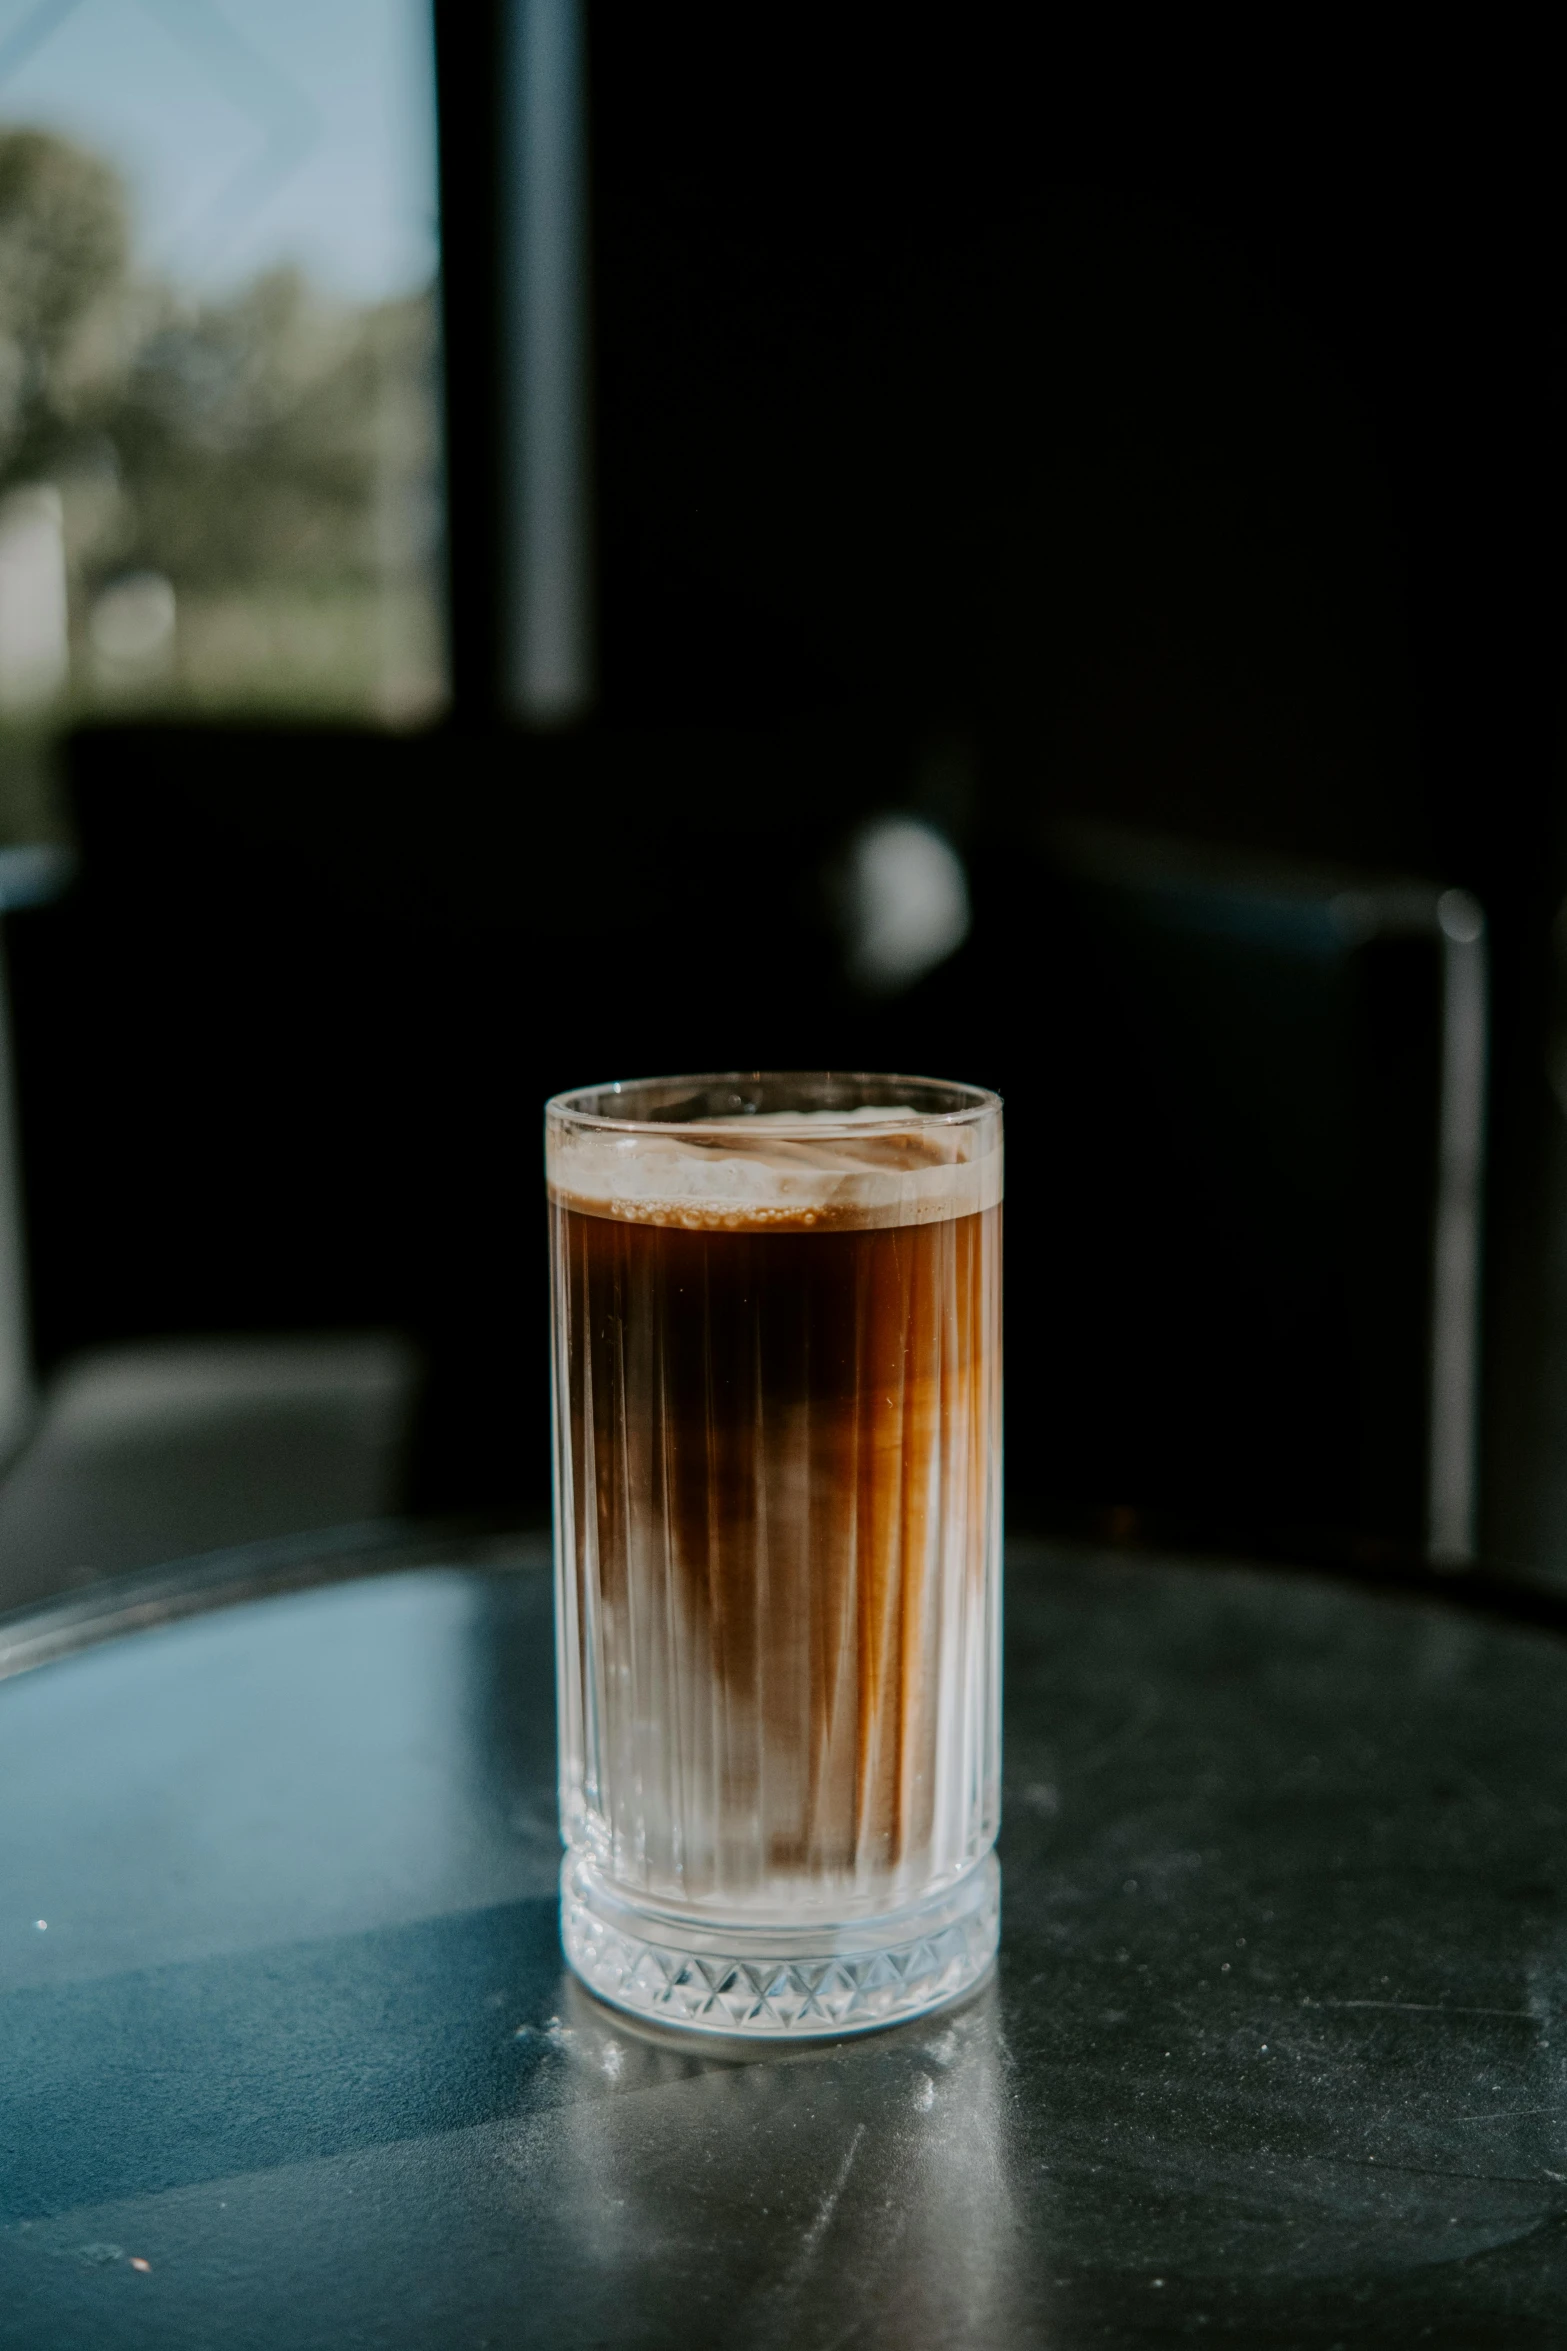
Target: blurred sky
x=248, y=131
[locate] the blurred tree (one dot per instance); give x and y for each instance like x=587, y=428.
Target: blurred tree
x=64, y=273
x=267, y=453
x=252, y=432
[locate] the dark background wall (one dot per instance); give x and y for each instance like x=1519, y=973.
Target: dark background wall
x=984, y=425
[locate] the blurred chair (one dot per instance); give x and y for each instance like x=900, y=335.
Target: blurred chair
x=1247, y=1201
x=134, y=1454
x=282, y=1048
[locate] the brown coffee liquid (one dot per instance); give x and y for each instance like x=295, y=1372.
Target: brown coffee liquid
x=779, y=1459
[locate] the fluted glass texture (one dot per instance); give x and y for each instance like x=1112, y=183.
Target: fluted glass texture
x=777, y=1366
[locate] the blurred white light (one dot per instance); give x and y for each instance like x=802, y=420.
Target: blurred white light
x=908, y=902
x=132, y=627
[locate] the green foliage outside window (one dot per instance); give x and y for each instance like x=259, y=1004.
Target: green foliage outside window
x=246, y=486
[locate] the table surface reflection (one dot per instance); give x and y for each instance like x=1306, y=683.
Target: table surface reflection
x=291, y=2059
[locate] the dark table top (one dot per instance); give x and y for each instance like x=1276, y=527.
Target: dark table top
x=1272, y=2055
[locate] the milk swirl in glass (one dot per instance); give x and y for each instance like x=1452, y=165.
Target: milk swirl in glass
x=777, y=1320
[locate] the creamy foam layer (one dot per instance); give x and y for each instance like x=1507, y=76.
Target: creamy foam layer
x=782, y=1171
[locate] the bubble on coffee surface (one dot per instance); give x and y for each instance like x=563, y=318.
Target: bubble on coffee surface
x=780, y=1170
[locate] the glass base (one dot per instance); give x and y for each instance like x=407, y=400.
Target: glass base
x=779, y=1982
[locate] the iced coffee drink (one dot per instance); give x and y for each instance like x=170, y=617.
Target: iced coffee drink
x=777, y=1315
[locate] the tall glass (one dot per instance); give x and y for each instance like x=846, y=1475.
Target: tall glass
x=777, y=1386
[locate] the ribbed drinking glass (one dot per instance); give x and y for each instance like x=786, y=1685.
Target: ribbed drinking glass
x=777, y=1395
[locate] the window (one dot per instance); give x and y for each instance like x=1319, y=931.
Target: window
x=219, y=432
